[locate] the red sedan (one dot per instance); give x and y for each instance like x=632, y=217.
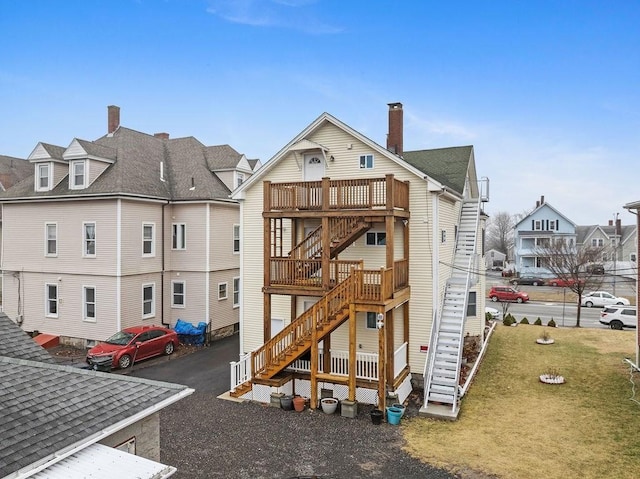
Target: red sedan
x=131, y=345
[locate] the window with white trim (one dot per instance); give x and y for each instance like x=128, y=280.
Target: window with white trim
x=43, y=177
x=148, y=300
x=222, y=291
x=179, y=236
x=236, y=238
x=178, y=294
x=236, y=292
x=77, y=176
x=239, y=179
x=366, y=161
x=89, y=303
x=537, y=225
x=51, y=239
x=89, y=239
x=376, y=238
x=51, y=300
x=597, y=242
x=471, y=303
x=148, y=244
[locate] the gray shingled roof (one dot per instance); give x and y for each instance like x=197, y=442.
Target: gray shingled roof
x=47, y=408
x=448, y=166
x=136, y=170
x=54, y=151
x=15, y=343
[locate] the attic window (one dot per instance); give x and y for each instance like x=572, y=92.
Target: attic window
x=366, y=161
x=77, y=174
x=43, y=177
x=239, y=179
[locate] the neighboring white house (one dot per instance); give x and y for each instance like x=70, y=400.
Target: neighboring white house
x=361, y=268
x=495, y=259
x=125, y=230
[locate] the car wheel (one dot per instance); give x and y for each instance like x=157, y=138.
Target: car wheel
x=554, y=284
x=535, y=283
x=519, y=300
x=169, y=348
x=494, y=299
x=125, y=361
x=615, y=324
x=620, y=303
x=589, y=304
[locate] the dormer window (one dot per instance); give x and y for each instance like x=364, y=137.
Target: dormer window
x=239, y=179
x=77, y=174
x=43, y=177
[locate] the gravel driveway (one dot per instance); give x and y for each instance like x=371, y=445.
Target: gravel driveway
x=207, y=437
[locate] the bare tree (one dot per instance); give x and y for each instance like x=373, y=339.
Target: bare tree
x=572, y=266
x=500, y=232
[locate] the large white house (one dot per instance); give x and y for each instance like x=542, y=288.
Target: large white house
x=125, y=230
x=361, y=268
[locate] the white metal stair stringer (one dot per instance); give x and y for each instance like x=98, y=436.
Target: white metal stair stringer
x=444, y=358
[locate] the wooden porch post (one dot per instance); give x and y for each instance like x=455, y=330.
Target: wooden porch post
x=352, y=352
x=266, y=274
x=388, y=326
x=314, y=364
x=382, y=396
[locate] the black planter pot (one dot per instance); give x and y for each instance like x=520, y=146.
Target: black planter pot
x=376, y=416
x=286, y=403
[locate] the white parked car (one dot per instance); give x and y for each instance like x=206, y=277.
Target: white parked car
x=618, y=316
x=602, y=299
x=492, y=311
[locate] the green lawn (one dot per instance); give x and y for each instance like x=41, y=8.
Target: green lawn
x=513, y=426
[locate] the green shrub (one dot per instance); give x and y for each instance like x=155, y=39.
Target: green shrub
x=508, y=320
x=551, y=323
x=538, y=322
x=524, y=321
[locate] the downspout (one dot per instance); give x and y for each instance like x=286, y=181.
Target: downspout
x=241, y=312
x=162, y=235
x=119, y=264
x=637, y=365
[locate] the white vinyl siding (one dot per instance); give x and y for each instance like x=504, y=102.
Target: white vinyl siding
x=148, y=239
x=51, y=239
x=51, y=300
x=179, y=236
x=148, y=300
x=178, y=294
x=89, y=303
x=89, y=239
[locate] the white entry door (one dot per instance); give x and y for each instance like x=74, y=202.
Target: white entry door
x=313, y=167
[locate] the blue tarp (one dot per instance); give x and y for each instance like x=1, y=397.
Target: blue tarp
x=190, y=334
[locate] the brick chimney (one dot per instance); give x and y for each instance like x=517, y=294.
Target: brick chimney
x=394, y=137
x=618, y=227
x=610, y=222
x=114, y=118
x=164, y=136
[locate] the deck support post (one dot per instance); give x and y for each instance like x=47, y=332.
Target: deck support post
x=352, y=352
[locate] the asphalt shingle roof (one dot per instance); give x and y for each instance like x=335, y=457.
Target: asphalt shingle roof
x=48, y=407
x=15, y=343
x=136, y=168
x=449, y=166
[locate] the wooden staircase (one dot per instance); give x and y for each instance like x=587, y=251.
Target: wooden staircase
x=343, y=231
x=442, y=370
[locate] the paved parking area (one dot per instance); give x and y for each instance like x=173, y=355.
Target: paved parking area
x=207, y=437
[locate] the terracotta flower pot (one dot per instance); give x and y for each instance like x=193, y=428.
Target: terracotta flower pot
x=298, y=403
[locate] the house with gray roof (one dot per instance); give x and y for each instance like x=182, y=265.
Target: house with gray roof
x=61, y=421
x=355, y=253
x=129, y=229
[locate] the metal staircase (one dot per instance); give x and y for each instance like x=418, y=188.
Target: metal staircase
x=442, y=368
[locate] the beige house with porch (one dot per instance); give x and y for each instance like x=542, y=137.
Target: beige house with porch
x=361, y=269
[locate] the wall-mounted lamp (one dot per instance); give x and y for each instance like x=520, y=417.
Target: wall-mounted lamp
x=380, y=320
x=405, y=222
x=331, y=158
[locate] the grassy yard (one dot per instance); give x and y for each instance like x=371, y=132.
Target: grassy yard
x=513, y=426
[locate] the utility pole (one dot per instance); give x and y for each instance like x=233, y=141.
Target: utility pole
x=615, y=250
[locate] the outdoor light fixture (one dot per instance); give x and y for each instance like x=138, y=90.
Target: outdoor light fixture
x=380, y=320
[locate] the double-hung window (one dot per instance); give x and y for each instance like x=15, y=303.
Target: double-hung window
x=43, y=180
x=51, y=300
x=89, y=303
x=148, y=246
x=179, y=236
x=51, y=239
x=376, y=238
x=222, y=291
x=77, y=174
x=178, y=292
x=148, y=300
x=236, y=292
x=366, y=161
x=236, y=238
x=89, y=241
x=239, y=179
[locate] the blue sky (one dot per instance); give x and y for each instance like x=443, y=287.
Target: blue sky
x=546, y=91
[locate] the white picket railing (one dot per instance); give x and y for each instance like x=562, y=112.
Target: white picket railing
x=400, y=359
x=240, y=371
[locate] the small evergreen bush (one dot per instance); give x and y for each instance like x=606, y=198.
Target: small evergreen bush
x=524, y=321
x=508, y=320
x=551, y=323
x=538, y=322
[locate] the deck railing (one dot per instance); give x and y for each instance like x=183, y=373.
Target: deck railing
x=366, y=364
x=400, y=274
x=400, y=359
x=327, y=194
x=240, y=371
x=300, y=272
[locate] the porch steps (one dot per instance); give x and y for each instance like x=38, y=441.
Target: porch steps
x=442, y=371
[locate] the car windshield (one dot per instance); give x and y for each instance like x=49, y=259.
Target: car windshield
x=121, y=338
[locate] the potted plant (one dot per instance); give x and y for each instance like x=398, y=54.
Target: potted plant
x=329, y=405
x=298, y=403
